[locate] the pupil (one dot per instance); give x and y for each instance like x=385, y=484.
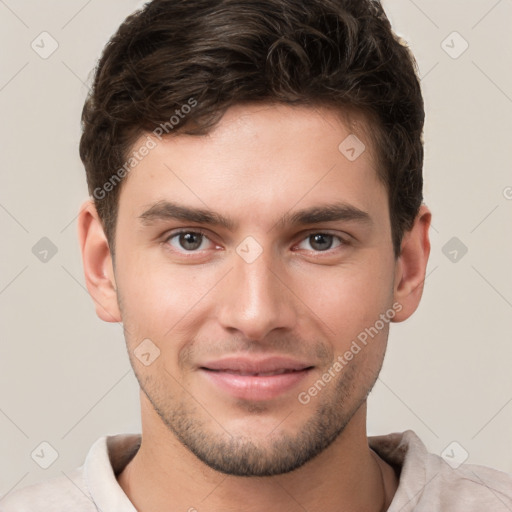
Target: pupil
x=321, y=242
x=190, y=240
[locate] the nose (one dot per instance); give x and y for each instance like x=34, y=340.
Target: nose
x=254, y=299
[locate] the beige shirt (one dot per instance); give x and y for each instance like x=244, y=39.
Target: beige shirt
x=427, y=482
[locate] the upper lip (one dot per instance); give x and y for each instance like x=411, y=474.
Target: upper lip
x=256, y=365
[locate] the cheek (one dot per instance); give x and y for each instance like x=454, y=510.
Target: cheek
x=348, y=298
x=157, y=298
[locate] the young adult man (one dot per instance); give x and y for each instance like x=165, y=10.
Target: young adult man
x=256, y=179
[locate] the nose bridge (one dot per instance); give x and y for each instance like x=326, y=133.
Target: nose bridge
x=254, y=301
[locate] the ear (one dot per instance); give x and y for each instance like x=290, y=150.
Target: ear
x=411, y=265
x=97, y=262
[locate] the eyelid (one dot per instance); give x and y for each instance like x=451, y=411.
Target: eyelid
x=178, y=231
x=343, y=236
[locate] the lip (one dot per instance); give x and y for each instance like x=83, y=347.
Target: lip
x=255, y=379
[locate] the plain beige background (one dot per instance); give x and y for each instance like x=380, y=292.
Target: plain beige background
x=65, y=378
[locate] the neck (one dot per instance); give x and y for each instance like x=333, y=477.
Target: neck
x=166, y=476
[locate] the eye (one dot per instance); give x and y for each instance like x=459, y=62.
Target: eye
x=189, y=241
x=321, y=242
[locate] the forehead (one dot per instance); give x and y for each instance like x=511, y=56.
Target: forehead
x=263, y=158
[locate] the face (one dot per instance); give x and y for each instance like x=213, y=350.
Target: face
x=251, y=261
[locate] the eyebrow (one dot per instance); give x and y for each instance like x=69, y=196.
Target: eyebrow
x=165, y=210
x=326, y=213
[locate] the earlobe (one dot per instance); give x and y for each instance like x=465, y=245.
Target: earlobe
x=97, y=263
x=411, y=265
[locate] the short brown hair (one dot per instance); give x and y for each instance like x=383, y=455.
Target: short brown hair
x=214, y=54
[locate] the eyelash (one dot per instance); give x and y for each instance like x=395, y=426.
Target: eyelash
x=342, y=241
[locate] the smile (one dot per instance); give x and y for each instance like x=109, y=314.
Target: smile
x=255, y=380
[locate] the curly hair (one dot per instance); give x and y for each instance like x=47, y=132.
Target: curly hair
x=173, y=55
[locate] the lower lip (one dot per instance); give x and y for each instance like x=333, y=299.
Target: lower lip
x=252, y=387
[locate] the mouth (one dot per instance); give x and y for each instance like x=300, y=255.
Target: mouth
x=253, y=379
x=257, y=374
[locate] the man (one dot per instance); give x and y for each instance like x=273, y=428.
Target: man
x=256, y=223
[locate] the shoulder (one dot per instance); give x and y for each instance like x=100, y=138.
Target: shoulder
x=91, y=487
x=58, y=494
x=469, y=487
x=431, y=482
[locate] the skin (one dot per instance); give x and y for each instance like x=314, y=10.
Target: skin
x=260, y=165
